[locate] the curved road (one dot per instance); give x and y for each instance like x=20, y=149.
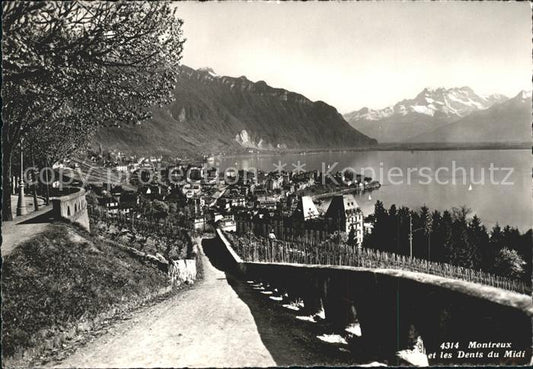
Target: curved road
x=206, y=326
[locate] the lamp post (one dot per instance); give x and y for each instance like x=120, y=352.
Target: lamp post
x=21, y=203
x=34, y=184
x=47, y=182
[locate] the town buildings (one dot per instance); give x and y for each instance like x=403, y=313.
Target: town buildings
x=345, y=215
x=271, y=204
x=305, y=223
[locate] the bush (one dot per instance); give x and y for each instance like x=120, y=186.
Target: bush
x=509, y=263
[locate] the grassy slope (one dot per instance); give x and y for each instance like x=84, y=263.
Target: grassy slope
x=54, y=284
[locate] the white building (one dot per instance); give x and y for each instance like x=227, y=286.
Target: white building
x=308, y=208
x=344, y=214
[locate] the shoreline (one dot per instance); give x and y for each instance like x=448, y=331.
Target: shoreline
x=386, y=147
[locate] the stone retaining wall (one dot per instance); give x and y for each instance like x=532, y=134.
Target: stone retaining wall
x=72, y=207
x=182, y=271
x=391, y=309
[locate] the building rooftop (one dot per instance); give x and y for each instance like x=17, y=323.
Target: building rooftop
x=342, y=204
x=308, y=208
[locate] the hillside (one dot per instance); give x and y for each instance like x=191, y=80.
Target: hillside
x=62, y=286
x=507, y=122
x=430, y=109
x=214, y=113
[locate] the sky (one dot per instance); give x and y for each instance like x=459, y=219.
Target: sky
x=356, y=54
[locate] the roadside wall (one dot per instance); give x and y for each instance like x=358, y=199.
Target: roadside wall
x=72, y=207
x=393, y=310
x=231, y=254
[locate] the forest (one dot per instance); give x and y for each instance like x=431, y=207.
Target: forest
x=452, y=236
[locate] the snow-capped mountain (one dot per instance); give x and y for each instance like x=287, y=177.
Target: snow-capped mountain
x=524, y=96
x=452, y=102
x=507, y=122
x=431, y=108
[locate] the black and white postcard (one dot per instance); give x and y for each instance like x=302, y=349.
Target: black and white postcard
x=266, y=184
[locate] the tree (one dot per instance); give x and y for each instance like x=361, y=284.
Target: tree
x=437, y=237
x=478, y=240
x=496, y=241
x=69, y=67
x=379, y=236
x=173, y=208
x=460, y=249
x=338, y=237
x=379, y=211
x=446, y=229
x=393, y=224
x=403, y=217
x=509, y=263
x=427, y=228
x=159, y=209
x=352, y=241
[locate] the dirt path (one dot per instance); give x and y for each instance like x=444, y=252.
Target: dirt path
x=23, y=228
x=206, y=326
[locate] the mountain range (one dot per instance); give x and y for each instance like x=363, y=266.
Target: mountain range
x=213, y=113
x=434, y=109
x=506, y=122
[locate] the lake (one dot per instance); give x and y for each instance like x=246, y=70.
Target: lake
x=495, y=184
